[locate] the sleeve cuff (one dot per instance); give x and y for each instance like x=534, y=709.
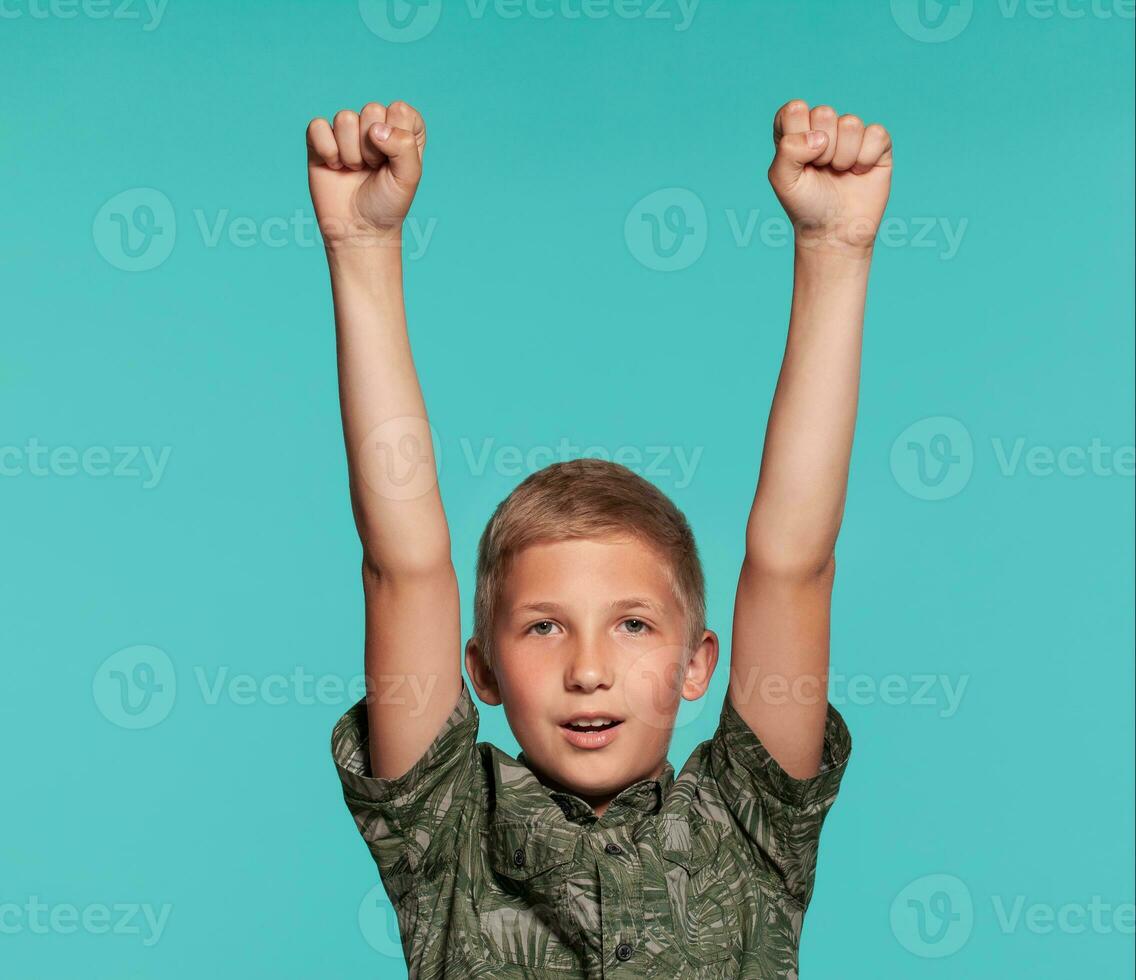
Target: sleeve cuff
x=745, y=748
x=349, y=748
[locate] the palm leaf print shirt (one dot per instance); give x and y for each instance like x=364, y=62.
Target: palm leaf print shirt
x=492, y=874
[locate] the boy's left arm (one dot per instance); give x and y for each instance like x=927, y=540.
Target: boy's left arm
x=834, y=188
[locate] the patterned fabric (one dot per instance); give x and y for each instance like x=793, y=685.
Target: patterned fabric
x=492, y=874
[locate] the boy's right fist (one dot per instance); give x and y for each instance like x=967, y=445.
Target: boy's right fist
x=363, y=170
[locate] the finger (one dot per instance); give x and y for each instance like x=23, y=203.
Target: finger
x=791, y=118
x=401, y=150
x=346, y=129
x=794, y=151
x=322, y=147
x=849, y=136
x=823, y=117
x=876, y=143
x=371, y=113
x=403, y=116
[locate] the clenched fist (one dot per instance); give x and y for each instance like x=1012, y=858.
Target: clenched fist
x=363, y=170
x=832, y=174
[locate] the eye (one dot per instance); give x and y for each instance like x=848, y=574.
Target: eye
x=544, y=628
x=636, y=627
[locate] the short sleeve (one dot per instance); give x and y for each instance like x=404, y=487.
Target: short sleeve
x=780, y=817
x=410, y=822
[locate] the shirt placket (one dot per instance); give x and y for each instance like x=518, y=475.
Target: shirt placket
x=621, y=900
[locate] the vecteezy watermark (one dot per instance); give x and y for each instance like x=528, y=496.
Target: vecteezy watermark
x=402, y=21
x=39, y=918
x=136, y=688
x=933, y=916
x=774, y=231
x=147, y=12
x=378, y=922
x=145, y=463
x=136, y=230
x=299, y=228
x=942, y=692
x=303, y=688
x=664, y=463
x=934, y=458
x=667, y=230
x=935, y=21
x=653, y=683
x=400, y=458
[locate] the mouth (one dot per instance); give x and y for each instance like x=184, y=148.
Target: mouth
x=590, y=731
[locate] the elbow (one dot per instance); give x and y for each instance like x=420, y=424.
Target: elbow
x=416, y=565
x=790, y=564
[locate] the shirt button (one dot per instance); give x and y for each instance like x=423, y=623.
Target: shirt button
x=613, y=849
x=519, y=857
x=623, y=952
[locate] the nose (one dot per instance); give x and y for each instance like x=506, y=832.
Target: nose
x=589, y=666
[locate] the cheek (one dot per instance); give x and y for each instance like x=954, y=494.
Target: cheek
x=651, y=687
x=525, y=688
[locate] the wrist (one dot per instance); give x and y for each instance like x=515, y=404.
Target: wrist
x=372, y=264
x=832, y=257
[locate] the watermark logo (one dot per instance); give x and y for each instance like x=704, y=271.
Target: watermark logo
x=395, y=458
x=379, y=924
x=933, y=459
x=676, y=464
x=666, y=230
x=146, y=464
x=135, y=919
x=932, y=21
x=400, y=21
x=933, y=916
x=119, y=10
x=135, y=687
x=135, y=230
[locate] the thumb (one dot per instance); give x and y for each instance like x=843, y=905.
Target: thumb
x=401, y=150
x=793, y=152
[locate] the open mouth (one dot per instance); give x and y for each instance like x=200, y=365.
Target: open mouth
x=592, y=726
x=590, y=733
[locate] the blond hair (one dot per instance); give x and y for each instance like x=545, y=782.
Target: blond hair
x=587, y=498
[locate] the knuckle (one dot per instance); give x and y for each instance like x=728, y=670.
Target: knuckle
x=825, y=110
x=345, y=117
x=851, y=121
x=373, y=107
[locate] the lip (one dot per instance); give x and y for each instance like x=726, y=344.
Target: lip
x=591, y=740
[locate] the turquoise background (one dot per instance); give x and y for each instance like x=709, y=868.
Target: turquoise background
x=541, y=313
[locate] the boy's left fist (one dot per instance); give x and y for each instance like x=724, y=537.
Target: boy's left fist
x=832, y=174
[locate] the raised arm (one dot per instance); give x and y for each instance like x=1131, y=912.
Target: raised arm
x=363, y=171
x=832, y=175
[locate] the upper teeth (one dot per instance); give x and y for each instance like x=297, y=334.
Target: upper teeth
x=592, y=722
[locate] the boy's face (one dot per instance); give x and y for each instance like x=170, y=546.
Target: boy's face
x=590, y=629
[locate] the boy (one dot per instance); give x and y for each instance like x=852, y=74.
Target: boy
x=587, y=856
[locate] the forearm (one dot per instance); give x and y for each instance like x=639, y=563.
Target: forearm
x=394, y=489
x=801, y=489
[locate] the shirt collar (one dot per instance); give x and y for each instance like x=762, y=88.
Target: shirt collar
x=517, y=786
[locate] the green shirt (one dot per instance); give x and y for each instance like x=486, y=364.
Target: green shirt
x=492, y=874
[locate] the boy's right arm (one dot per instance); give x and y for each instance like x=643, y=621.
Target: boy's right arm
x=363, y=170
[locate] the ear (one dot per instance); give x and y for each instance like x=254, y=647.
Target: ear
x=700, y=667
x=482, y=676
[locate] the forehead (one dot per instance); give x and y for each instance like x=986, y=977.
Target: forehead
x=587, y=571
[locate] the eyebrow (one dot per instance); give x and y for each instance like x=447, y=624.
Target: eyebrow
x=622, y=605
